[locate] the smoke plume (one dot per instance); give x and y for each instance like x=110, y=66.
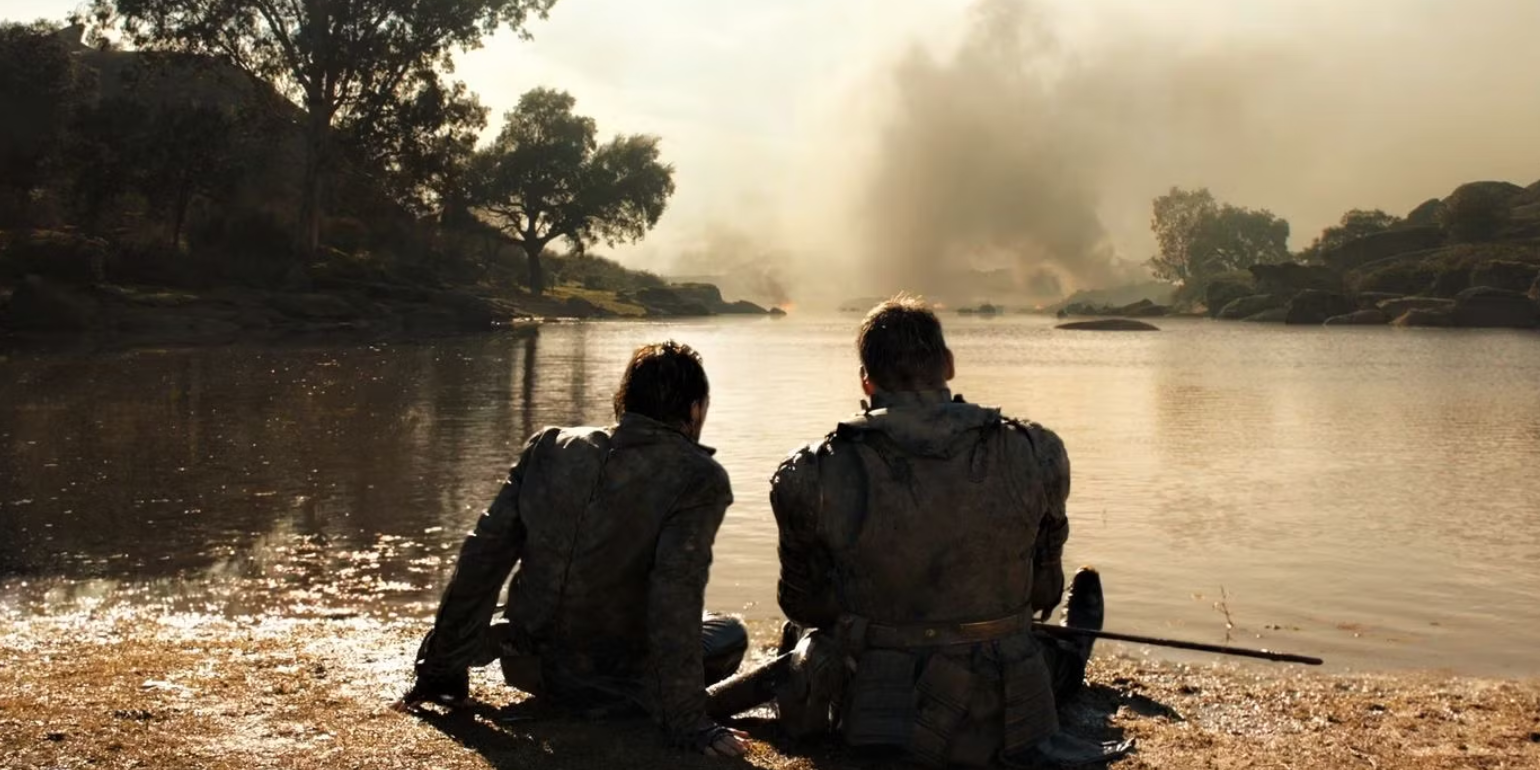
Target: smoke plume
x=1016, y=147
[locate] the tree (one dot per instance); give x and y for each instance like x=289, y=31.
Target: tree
x=346, y=63
x=1354, y=224
x=422, y=145
x=1198, y=237
x=545, y=177
x=39, y=92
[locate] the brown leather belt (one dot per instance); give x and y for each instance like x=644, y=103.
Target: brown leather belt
x=894, y=636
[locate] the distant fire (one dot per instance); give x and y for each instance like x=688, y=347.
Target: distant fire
x=786, y=307
x=939, y=306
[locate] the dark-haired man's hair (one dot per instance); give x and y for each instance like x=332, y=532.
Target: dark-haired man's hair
x=662, y=381
x=901, y=345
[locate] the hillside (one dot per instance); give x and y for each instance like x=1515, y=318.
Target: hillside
x=152, y=195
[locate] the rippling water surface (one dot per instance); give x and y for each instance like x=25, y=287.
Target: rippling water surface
x=1369, y=495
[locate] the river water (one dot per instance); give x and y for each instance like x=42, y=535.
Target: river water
x=1369, y=495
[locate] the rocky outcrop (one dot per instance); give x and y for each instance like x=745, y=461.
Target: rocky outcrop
x=691, y=299
x=314, y=307
x=743, y=307
x=577, y=307
x=1505, y=274
x=984, y=309
x=1313, y=307
x=1144, y=308
x=1377, y=246
x=1371, y=317
x=42, y=306
x=1220, y=293
x=1275, y=315
x=56, y=256
x=1395, y=308
x=1428, y=317
x=1486, y=307
x=1370, y=300
x=1250, y=306
x=1289, y=278
x=1110, y=325
x=1425, y=214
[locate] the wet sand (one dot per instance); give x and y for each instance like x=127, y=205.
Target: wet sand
x=133, y=689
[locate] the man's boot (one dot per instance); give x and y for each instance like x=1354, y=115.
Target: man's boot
x=1085, y=607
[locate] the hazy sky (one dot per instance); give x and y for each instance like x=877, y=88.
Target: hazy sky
x=772, y=110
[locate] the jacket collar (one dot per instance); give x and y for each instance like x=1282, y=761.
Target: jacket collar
x=903, y=399
x=925, y=423
x=636, y=429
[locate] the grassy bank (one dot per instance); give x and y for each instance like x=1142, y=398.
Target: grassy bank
x=137, y=690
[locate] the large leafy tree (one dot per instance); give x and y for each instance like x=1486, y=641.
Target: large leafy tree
x=40, y=89
x=347, y=63
x=546, y=177
x=420, y=146
x=1199, y=237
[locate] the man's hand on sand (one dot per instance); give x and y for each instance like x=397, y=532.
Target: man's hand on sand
x=449, y=692
x=730, y=743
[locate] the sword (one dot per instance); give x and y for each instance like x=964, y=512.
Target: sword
x=1222, y=649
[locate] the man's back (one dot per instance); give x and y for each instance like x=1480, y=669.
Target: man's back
x=913, y=533
x=612, y=532
x=604, y=509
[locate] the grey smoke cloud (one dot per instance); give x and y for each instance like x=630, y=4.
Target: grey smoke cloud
x=1033, y=143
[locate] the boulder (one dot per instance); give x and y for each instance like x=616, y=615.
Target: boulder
x=1144, y=308
x=1383, y=245
x=1219, y=294
x=677, y=300
x=1289, y=278
x=1370, y=300
x=1426, y=317
x=1426, y=213
x=1275, y=315
x=1110, y=325
x=1313, y=307
x=577, y=307
x=58, y=256
x=1395, y=308
x=313, y=307
x=743, y=307
x=1505, y=274
x=1405, y=275
x=1370, y=317
x=42, y=306
x=1249, y=306
x=1486, y=307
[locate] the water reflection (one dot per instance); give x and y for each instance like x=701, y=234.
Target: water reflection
x=1367, y=496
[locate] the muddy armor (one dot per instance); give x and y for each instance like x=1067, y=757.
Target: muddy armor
x=918, y=540
x=611, y=530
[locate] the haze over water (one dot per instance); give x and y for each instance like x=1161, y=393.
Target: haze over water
x=1368, y=495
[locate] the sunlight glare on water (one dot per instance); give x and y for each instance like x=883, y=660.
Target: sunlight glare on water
x=1369, y=495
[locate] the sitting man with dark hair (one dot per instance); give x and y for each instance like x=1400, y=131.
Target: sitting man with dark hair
x=917, y=542
x=611, y=530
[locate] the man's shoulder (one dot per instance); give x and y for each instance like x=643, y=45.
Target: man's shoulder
x=573, y=437
x=1036, y=434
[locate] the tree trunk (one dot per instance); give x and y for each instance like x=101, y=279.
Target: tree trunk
x=310, y=207
x=533, y=250
x=179, y=215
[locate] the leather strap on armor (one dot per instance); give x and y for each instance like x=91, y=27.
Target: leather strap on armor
x=910, y=635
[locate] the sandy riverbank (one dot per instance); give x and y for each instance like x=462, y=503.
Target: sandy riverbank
x=131, y=690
